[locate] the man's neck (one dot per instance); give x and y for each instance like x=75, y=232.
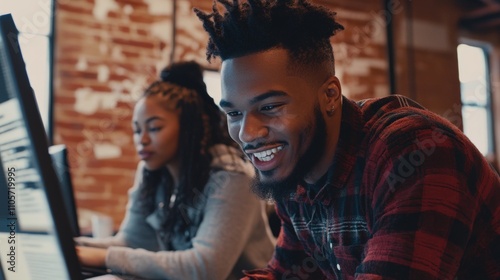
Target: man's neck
x=321, y=168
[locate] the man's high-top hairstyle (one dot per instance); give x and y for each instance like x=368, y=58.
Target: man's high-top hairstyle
x=255, y=26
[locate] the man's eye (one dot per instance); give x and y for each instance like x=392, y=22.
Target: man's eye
x=270, y=107
x=154, y=129
x=233, y=114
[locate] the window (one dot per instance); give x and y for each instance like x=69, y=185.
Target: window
x=475, y=95
x=34, y=20
x=213, y=82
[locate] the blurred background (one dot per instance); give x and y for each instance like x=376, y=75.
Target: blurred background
x=88, y=61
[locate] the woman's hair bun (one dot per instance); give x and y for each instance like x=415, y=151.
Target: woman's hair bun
x=187, y=74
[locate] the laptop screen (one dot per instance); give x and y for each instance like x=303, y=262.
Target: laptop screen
x=35, y=237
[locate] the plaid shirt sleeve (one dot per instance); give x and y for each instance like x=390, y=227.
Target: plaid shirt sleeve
x=426, y=202
x=289, y=256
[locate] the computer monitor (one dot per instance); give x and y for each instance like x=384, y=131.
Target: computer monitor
x=59, y=155
x=35, y=235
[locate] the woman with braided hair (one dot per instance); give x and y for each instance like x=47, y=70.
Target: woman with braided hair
x=191, y=214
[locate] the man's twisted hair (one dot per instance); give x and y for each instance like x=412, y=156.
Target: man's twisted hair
x=254, y=26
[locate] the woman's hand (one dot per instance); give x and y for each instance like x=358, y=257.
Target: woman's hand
x=90, y=256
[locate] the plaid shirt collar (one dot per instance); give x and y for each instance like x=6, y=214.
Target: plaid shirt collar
x=351, y=135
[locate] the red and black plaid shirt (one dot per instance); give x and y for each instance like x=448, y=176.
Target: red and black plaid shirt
x=407, y=196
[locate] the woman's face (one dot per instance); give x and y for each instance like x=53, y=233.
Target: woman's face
x=156, y=132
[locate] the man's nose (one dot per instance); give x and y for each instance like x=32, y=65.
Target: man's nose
x=252, y=128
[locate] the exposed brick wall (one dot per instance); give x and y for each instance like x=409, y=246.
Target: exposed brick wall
x=107, y=51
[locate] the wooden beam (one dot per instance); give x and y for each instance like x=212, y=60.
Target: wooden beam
x=482, y=12
x=485, y=17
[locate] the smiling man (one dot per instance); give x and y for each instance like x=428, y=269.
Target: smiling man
x=278, y=125
x=376, y=189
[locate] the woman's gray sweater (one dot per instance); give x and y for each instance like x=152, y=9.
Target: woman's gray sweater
x=227, y=233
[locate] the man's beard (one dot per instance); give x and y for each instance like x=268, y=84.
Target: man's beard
x=278, y=189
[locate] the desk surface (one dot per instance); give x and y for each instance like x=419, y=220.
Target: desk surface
x=105, y=277
x=115, y=277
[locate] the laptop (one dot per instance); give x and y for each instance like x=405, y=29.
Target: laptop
x=59, y=155
x=36, y=238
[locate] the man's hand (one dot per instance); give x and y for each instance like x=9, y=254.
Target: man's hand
x=90, y=256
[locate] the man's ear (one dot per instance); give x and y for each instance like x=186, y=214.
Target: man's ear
x=331, y=93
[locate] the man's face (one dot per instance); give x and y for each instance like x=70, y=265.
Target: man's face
x=274, y=115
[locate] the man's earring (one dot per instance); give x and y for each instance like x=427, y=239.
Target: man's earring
x=331, y=111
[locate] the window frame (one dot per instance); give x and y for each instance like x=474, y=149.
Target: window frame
x=52, y=40
x=486, y=49
x=29, y=21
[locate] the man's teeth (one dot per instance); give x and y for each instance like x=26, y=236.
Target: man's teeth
x=268, y=154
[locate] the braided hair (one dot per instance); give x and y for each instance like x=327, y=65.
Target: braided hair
x=254, y=26
x=203, y=125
